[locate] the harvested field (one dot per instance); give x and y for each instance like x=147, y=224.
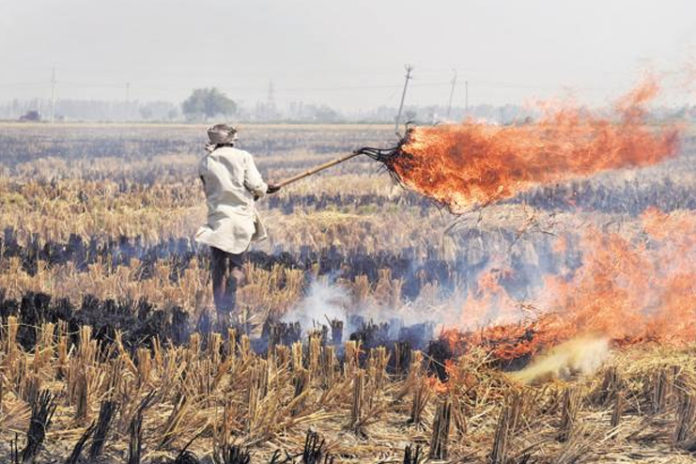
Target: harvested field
x=107, y=351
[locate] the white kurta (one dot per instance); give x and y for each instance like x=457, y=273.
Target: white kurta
x=230, y=181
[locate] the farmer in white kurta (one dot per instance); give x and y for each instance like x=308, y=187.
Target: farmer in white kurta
x=232, y=184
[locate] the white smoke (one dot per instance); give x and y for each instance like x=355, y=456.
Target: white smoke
x=581, y=355
x=322, y=302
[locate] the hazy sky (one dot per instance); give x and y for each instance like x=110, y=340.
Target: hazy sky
x=348, y=54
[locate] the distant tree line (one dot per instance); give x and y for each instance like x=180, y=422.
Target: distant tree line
x=91, y=110
x=205, y=104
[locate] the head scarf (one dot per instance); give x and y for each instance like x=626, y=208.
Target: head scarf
x=221, y=134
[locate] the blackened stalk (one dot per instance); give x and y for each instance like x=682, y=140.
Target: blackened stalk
x=411, y=455
x=42, y=410
x=313, y=448
x=232, y=455
x=135, y=429
x=79, y=446
x=106, y=414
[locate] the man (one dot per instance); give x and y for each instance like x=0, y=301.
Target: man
x=231, y=183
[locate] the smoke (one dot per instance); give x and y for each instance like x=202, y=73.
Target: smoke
x=633, y=285
x=582, y=355
x=326, y=301
x=323, y=301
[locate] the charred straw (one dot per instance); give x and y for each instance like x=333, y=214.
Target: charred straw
x=281, y=333
x=382, y=154
x=372, y=334
x=14, y=450
x=336, y=331
x=106, y=414
x=79, y=446
x=278, y=459
x=186, y=457
x=135, y=430
x=314, y=449
x=231, y=454
x=439, y=351
x=42, y=410
x=412, y=455
x=402, y=358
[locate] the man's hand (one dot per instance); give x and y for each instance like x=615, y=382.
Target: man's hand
x=272, y=188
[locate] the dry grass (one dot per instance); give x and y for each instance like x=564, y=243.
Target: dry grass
x=227, y=394
x=639, y=406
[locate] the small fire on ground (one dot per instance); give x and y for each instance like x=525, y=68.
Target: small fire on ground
x=632, y=287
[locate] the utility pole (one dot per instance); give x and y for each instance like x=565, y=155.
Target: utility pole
x=409, y=68
x=127, y=92
x=454, y=83
x=53, y=95
x=466, y=97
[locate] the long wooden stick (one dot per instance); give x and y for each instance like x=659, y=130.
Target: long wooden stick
x=316, y=169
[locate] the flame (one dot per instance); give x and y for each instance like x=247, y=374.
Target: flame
x=632, y=287
x=472, y=164
x=489, y=301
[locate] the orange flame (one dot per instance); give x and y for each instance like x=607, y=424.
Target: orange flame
x=630, y=288
x=471, y=164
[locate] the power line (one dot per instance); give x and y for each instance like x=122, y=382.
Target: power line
x=409, y=68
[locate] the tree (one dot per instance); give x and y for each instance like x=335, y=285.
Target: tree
x=31, y=115
x=208, y=102
x=326, y=114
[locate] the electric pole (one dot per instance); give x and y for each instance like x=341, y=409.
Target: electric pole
x=127, y=92
x=53, y=95
x=454, y=83
x=409, y=68
x=466, y=97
